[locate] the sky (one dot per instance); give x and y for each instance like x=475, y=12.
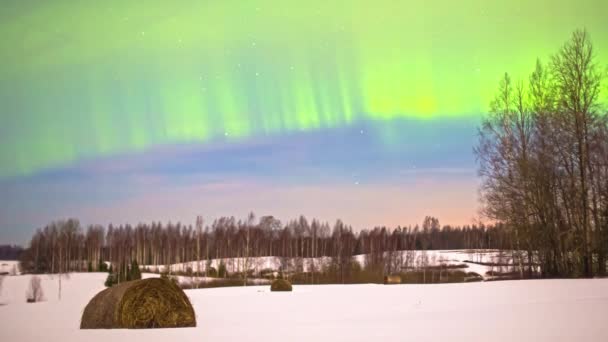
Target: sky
x=138, y=111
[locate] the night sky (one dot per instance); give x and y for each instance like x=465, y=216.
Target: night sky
x=133, y=111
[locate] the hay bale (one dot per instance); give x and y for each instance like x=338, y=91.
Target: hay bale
x=392, y=279
x=148, y=303
x=280, y=285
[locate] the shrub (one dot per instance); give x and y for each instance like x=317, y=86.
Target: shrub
x=434, y=276
x=512, y=274
x=280, y=285
x=166, y=276
x=211, y=272
x=392, y=279
x=472, y=276
x=222, y=282
x=267, y=273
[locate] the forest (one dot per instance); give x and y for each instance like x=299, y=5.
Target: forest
x=64, y=246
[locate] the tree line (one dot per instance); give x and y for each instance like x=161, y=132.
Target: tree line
x=10, y=252
x=543, y=155
x=65, y=246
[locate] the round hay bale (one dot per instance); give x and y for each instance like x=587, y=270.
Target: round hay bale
x=392, y=279
x=280, y=285
x=138, y=304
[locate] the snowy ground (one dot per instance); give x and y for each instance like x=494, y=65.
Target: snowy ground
x=525, y=310
x=9, y=266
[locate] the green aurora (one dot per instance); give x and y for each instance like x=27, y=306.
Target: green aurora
x=84, y=79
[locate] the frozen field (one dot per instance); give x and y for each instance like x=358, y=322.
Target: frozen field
x=533, y=310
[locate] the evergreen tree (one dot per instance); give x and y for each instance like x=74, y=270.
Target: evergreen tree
x=111, y=279
x=135, y=273
x=103, y=267
x=221, y=270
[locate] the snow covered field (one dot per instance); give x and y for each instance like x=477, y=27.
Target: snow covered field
x=530, y=310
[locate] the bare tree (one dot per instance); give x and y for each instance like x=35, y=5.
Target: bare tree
x=542, y=159
x=247, y=260
x=34, y=293
x=199, y=233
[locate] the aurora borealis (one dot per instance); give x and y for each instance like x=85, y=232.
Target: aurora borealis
x=89, y=82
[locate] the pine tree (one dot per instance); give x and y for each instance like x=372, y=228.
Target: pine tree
x=103, y=267
x=111, y=279
x=221, y=270
x=135, y=273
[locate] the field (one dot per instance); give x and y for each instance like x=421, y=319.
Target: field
x=528, y=310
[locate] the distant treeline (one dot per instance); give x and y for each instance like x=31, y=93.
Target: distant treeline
x=64, y=246
x=543, y=153
x=10, y=252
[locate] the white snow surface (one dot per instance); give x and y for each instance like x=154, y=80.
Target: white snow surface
x=10, y=267
x=524, y=310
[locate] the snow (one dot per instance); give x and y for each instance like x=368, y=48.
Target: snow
x=9, y=267
x=525, y=310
